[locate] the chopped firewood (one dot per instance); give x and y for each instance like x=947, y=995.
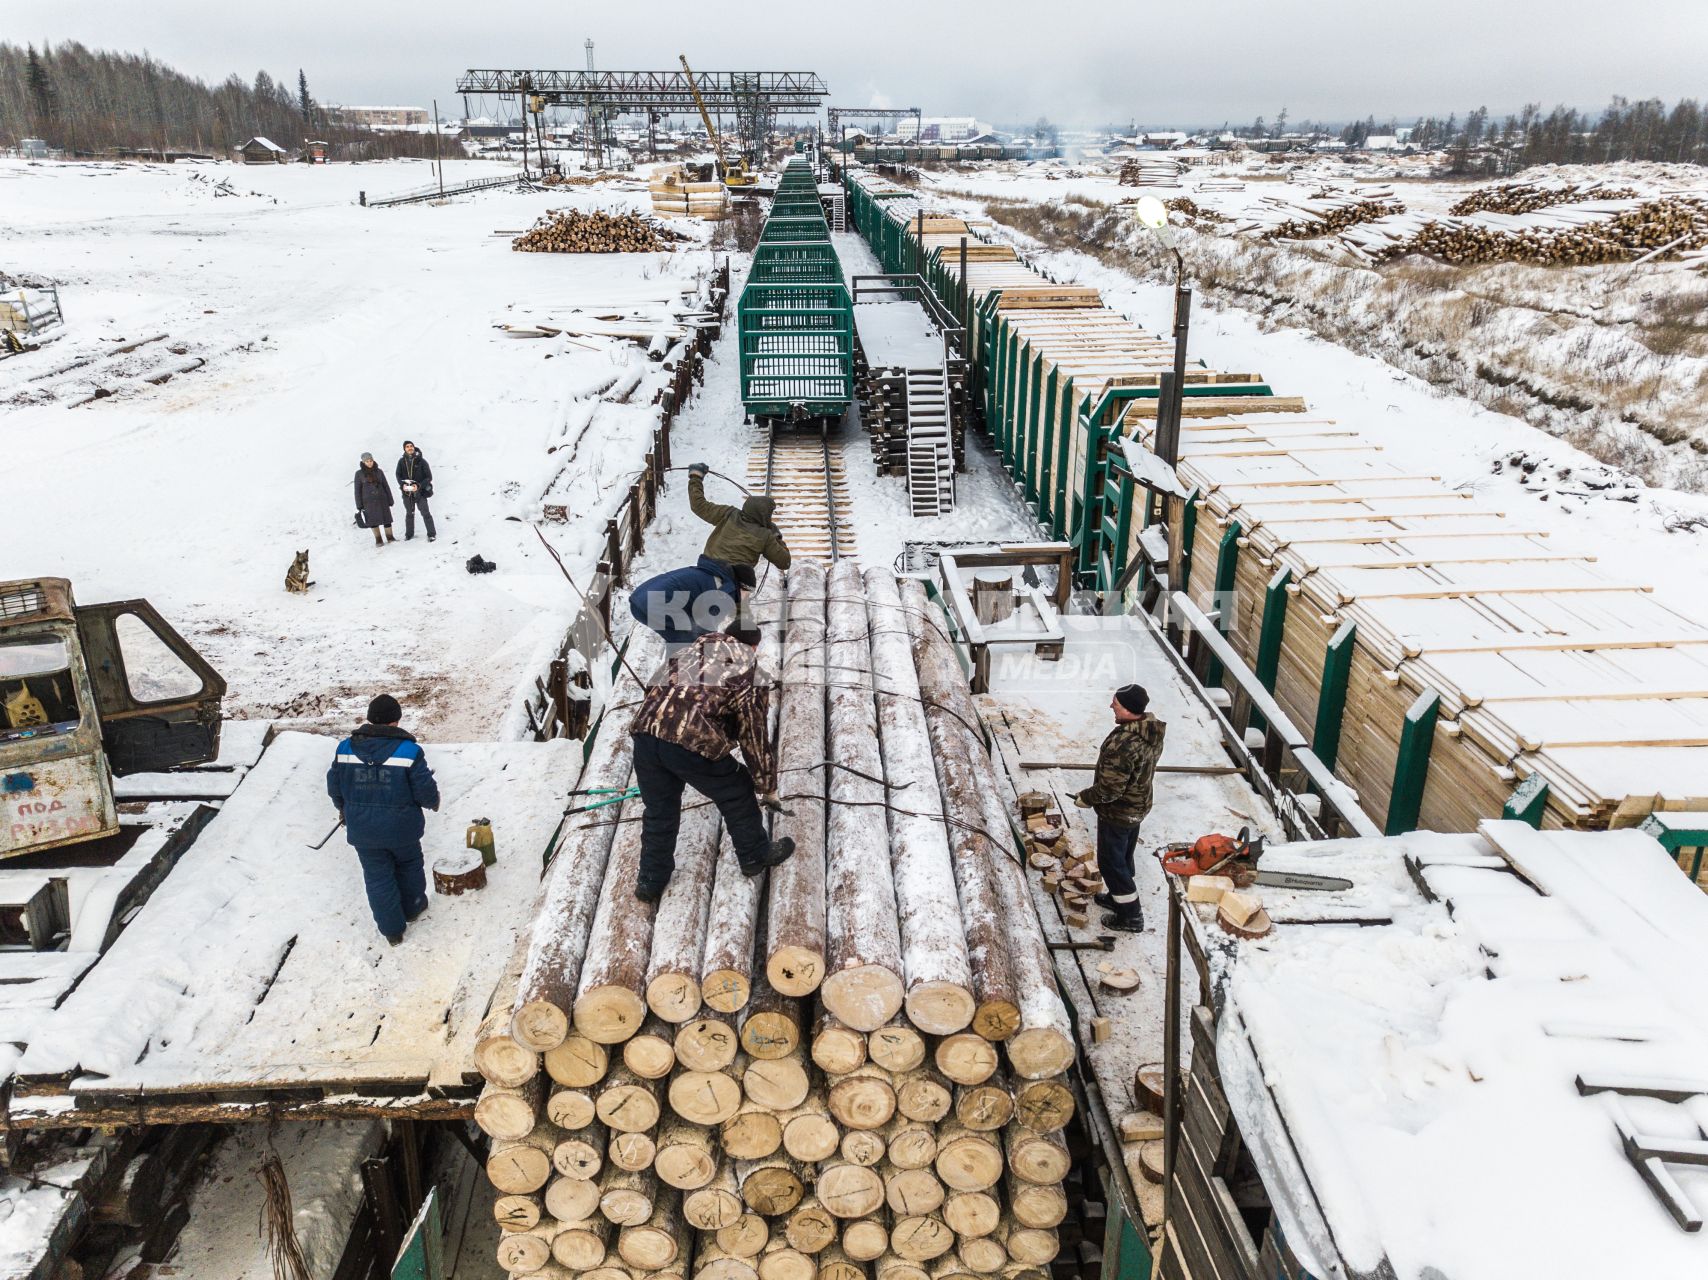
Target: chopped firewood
x=1208, y=888
x=1100, y=1029
x=1040, y=861
x=1237, y=908
x=1140, y=1126
x=1121, y=981
x=1052, y=882
x=1148, y=1086
x=1078, y=919
x=1031, y=802
x=1151, y=1156
x=1257, y=925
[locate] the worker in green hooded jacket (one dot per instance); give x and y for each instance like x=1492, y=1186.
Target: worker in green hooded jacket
x=740, y=535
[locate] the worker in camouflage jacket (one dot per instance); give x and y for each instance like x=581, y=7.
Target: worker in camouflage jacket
x=1121, y=794
x=740, y=535
x=380, y=782
x=706, y=701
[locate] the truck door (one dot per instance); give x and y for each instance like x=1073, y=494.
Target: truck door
x=158, y=699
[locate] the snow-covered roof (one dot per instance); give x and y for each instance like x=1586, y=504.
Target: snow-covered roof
x=1444, y=1090
x=259, y=141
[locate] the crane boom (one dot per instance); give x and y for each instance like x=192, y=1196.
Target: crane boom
x=706, y=116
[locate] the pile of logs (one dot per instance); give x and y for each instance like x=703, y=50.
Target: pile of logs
x=1576, y=235
x=1527, y=197
x=1326, y=213
x=855, y=1070
x=572, y=231
x=1068, y=871
x=1193, y=210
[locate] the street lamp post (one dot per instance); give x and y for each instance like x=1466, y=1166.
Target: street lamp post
x=1153, y=215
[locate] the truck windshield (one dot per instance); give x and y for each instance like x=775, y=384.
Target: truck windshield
x=37, y=695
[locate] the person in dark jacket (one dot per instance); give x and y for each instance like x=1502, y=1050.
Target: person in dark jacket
x=687, y=603
x=373, y=500
x=380, y=782
x=710, y=701
x=740, y=535
x=415, y=483
x=1121, y=793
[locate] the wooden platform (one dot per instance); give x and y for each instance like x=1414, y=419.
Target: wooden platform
x=255, y=981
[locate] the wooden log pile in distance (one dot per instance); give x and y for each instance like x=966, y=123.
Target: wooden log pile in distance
x=1527, y=197
x=595, y=231
x=851, y=1070
x=1577, y=234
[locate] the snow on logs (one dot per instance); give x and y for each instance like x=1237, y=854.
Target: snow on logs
x=848, y=1068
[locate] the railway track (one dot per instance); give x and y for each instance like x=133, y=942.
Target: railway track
x=803, y=471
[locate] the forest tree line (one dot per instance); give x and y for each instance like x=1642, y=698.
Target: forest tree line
x=1647, y=129
x=92, y=102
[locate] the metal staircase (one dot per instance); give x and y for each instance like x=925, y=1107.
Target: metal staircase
x=930, y=452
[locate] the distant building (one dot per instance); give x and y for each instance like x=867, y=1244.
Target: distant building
x=259, y=150
x=940, y=129
x=1381, y=142
x=379, y=117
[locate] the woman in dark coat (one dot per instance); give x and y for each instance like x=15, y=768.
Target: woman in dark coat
x=373, y=499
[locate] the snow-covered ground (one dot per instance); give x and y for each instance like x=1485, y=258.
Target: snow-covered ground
x=1640, y=532
x=1612, y=358
x=327, y=330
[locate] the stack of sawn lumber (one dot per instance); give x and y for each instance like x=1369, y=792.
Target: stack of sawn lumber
x=1547, y=668
x=857, y=1069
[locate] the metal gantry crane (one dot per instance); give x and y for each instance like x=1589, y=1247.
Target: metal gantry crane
x=733, y=173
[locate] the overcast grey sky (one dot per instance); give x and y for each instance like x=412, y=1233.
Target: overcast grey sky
x=1079, y=61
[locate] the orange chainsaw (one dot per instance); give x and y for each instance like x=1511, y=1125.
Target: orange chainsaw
x=1236, y=857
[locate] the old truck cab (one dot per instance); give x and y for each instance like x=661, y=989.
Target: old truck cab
x=86, y=693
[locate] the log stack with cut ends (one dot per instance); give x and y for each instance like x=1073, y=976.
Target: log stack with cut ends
x=850, y=1069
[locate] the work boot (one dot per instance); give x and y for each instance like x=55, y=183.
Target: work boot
x=649, y=894
x=379, y=538
x=780, y=852
x=1105, y=899
x=388, y=534
x=1128, y=920
x=396, y=939
x=413, y=916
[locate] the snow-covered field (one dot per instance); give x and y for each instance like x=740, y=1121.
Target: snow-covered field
x=324, y=330
x=1612, y=358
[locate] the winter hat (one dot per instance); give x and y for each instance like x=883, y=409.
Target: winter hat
x=1133, y=698
x=384, y=710
x=367, y=457
x=407, y=443
x=748, y=636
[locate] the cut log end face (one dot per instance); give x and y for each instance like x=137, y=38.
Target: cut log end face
x=628, y=1108
x=921, y=1239
x=572, y=1199
x=862, y=1147
x=865, y=1239
x=795, y=971
x=772, y=1191
x=744, y=1237
x=725, y=990
x=996, y=1019
x=850, y=1190
x=577, y=1062
x=706, y=1044
x=972, y=1213
x=609, y=1015
x=1044, y=1105
x=896, y=1047
x=516, y=1212
x=985, y=1107
x=539, y=1026
x=704, y=1097
x=649, y=1057
x=810, y=1228
x=674, y=997
x=940, y=1008
x=863, y=996
x=710, y=1208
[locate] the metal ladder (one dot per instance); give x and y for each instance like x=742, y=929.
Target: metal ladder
x=930, y=452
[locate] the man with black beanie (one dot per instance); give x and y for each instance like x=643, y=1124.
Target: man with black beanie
x=1121, y=794
x=380, y=782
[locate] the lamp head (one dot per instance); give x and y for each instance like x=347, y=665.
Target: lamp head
x=1153, y=216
